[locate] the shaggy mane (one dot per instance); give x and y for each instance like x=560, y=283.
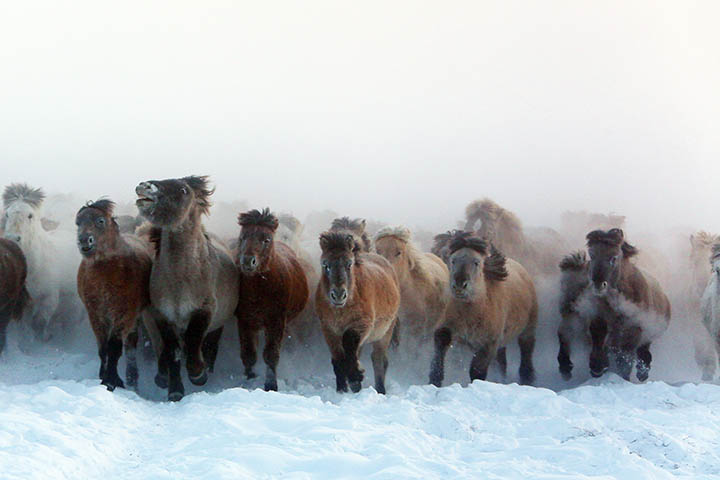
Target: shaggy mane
x=574, y=262
x=489, y=211
x=706, y=239
x=356, y=226
x=201, y=187
x=104, y=205
x=259, y=218
x=401, y=233
x=334, y=241
x=468, y=240
x=614, y=238
x=495, y=266
x=24, y=193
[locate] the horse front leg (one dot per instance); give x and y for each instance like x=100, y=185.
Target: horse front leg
x=194, y=337
x=337, y=356
x=443, y=338
x=274, y=334
x=247, y=334
x=599, y=361
x=210, y=347
x=114, y=347
x=482, y=359
x=351, y=341
x=170, y=360
x=624, y=347
x=564, y=334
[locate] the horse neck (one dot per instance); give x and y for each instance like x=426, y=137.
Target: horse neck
x=184, y=241
x=36, y=247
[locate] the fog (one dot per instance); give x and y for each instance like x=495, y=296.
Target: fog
x=401, y=111
x=398, y=112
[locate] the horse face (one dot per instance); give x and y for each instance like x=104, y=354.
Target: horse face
x=337, y=276
x=254, y=248
x=92, y=227
x=604, y=268
x=21, y=222
x=466, y=268
x=393, y=250
x=165, y=203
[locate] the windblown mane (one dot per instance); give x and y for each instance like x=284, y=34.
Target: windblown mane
x=24, y=193
x=259, y=218
x=202, y=190
x=705, y=239
x=401, y=233
x=290, y=221
x=340, y=241
x=356, y=226
x=575, y=262
x=614, y=238
x=495, y=262
x=104, y=205
x=487, y=210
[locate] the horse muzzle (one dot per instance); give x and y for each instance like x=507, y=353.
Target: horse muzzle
x=338, y=297
x=14, y=238
x=86, y=243
x=600, y=289
x=146, y=192
x=248, y=264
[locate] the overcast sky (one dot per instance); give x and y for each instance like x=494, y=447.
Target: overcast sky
x=401, y=111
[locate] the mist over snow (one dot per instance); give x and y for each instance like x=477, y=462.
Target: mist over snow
x=400, y=113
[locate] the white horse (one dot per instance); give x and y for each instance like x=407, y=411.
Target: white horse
x=710, y=307
x=53, y=259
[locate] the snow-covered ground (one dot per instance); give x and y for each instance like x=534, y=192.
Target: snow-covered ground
x=56, y=421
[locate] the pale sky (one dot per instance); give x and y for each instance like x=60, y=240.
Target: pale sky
x=400, y=111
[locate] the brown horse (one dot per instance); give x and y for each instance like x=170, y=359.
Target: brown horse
x=493, y=302
x=442, y=242
x=273, y=291
x=114, y=285
x=625, y=308
x=194, y=281
x=357, y=301
x=423, y=280
x=13, y=295
x=355, y=227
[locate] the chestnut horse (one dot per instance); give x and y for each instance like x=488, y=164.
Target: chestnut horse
x=114, y=284
x=193, y=283
x=625, y=311
x=357, y=301
x=273, y=290
x=493, y=302
x=13, y=294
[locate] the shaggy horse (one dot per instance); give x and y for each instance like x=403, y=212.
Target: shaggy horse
x=423, y=280
x=357, y=301
x=13, y=294
x=710, y=307
x=273, y=291
x=441, y=244
x=492, y=302
x=355, y=227
x=52, y=261
x=701, y=246
x=538, y=250
x=114, y=284
x=194, y=282
x=623, y=308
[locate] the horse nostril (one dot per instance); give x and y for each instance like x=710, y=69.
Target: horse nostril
x=603, y=285
x=464, y=285
x=253, y=262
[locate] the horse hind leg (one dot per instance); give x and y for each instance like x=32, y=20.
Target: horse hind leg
x=247, y=335
x=131, y=368
x=625, y=353
x=4, y=321
x=380, y=359
x=565, y=365
x=501, y=359
x=443, y=338
x=526, y=341
x=169, y=360
x=194, y=337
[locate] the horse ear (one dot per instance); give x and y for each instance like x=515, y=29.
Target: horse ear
x=363, y=223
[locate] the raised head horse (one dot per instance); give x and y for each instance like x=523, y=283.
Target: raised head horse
x=273, y=291
x=357, y=301
x=114, y=284
x=52, y=261
x=194, y=282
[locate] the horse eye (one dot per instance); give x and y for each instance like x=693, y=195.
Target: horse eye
x=477, y=264
x=101, y=221
x=184, y=191
x=398, y=254
x=30, y=216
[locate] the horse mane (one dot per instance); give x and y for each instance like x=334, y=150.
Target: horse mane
x=291, y=222
x=574, y=262
x=331, y=241
x=489, y=211
x=105, y=205
x=705, y=239
x=469, y=240
x=356, y=226
x=614, y=238
x=495, y=265
x=403, y=234
x=24, y=193
x=259, y=218
x=715, y=251
x=201, y=187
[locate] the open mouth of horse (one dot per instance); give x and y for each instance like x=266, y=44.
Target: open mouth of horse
x=144, y=201
x=87, y=249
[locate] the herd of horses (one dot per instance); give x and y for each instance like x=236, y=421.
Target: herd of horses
x=164, y=276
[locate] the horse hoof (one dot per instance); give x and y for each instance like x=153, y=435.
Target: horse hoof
x=161, y=381
x=598, y=373
x=643, y=376
x=200, y=379
x=355, y=386
x=271, y=387
x=249, y=374
x=111, y=385
x=175, y=396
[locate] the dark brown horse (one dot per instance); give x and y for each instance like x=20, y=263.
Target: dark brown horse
x=357, y=301
x=194, y=282
x=114, y=285
x=625, y=308
x=273, y=291
x=13, y=295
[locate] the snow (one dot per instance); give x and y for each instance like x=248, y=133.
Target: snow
x=57, y=421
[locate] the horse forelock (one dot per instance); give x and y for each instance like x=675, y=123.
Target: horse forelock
x=259, y=218
x=468, y=240
x=400, y=232
x=106, y=206
x=22, y=192
x=201, y=187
